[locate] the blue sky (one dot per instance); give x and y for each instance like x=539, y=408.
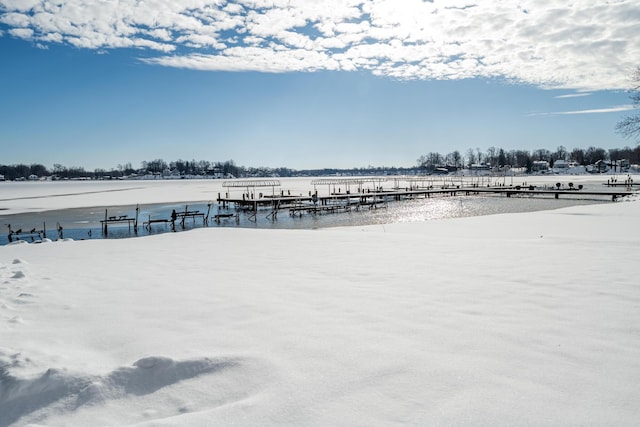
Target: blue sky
x=332, y=83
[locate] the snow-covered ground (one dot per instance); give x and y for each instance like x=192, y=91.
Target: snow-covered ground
x=514, y=319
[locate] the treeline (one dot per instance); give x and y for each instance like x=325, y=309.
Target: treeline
x=498, y=157
x=183, y=168
x=14, y=172
x=193, y=167
x=495, y=157
x=153, y=167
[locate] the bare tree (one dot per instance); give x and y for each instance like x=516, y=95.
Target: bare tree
x=629, y=127
x=430, y=161
x=542, y=154
x=502, y=158
x=593, y=154
x=453, y=158
x=492, y=155
x=471, y=156
x=520, y=158
x=577, y=155
x=560, y=154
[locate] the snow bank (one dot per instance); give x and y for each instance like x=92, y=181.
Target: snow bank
x=518, y=319
x=124, y=395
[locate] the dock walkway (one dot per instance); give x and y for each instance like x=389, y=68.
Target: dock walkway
x=369, y=197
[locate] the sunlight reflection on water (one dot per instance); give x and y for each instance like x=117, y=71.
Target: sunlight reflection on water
x=84, y=223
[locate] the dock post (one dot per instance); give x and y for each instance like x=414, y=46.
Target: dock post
x=104, y=229
x=205, y=220
x=135, y=224
x=186, y=209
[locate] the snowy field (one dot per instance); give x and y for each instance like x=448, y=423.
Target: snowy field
x=513, y=319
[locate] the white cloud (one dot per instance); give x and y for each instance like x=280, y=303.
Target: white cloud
x=615, y=109
x=583, y=45
x=600, y=110
x=573, y=95
x=15, y=19
x=252, y=59
x=19, y=5
x=23, y=33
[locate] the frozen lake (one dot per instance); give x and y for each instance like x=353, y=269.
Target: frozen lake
x=84, y=223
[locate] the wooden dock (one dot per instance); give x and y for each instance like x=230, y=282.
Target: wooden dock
x=182, y=216
x=613, y=194
x=343, y=201
x=32, y=234
x=622, y=184
x=117, y=220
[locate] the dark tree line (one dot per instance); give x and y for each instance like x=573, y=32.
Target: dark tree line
x=157, y=166
x=496, y=157
x=524, y=159
x=23, y=171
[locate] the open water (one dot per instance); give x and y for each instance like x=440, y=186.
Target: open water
x=84, y=223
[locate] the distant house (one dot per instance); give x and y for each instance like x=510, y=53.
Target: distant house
x=480, y=167
x=167, y=173
x=33, y=177
x=541, y=166
x=215, y=173
x=621, y=165
x=440, y=171
x=1, y=177
x=601, y=166
x=561, y=164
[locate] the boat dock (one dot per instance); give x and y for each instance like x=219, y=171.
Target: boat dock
x=31, y=234
x=119, y=219
x=345, y=200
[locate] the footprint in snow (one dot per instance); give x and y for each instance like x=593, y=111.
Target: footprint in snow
x=18, y=275
x=23, y=298
x=5, y=306
x=16, y=319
